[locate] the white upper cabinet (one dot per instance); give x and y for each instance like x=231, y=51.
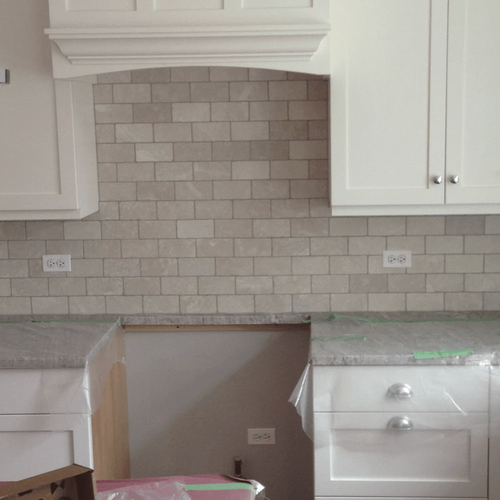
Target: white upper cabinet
x=98, y=36
x=415, y=108
x=47, y=131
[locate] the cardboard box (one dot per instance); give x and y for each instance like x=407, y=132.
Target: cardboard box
x=69, y=483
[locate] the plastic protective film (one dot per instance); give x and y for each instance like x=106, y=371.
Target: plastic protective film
x=61, y=367
x=153, y=491
x=427, y=382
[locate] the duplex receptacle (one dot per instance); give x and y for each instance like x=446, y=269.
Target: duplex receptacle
x=56, y=263
x=261, y=436
x=396, y=258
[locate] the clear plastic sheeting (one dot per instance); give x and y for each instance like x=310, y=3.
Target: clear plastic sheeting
x=56, y=367
x=196, y=487
x=428, y=378
x=152, y=491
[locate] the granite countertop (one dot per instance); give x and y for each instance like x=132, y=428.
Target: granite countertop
x=449, y=341
x=53, y=344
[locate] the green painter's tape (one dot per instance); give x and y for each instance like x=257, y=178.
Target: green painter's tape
x=218, y=486
x=442, y=354
x=338, y=338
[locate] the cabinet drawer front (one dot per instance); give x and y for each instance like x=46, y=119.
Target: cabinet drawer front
x=429, y=388
x=444, y=455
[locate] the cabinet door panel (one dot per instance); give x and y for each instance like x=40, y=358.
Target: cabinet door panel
x=444, y=455
x=473, y=123
x=34, y=444
x=386, y=79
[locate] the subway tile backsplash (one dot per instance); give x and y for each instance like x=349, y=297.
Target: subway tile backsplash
x=214, y=199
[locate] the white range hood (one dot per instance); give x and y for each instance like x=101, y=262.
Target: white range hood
x=99, y=36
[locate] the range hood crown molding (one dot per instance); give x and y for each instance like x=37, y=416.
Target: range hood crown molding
x=150, y=47
x=100, y=36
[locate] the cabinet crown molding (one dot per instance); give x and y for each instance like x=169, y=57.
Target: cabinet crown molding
x=94, y=39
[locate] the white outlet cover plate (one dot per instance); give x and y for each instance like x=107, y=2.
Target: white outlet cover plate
x=396, y=258
x=56, y=263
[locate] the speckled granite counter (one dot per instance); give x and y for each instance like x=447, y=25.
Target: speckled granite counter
x=53, y=344
x=349, y=341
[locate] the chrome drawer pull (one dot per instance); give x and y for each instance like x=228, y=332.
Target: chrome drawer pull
x=400, y=391
x=400, y=424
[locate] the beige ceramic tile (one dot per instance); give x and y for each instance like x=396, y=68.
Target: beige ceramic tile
x=151, y=113
x=117, y=191
x=222, y=74
x=229, y=111
x=190, y=74
x=273, y=266
x=174, y=171
x=253, y=285
x=176, y=210
x=116, y=153
x=210, y=92
x=155, y=191
x=159, y=267
x=87, y=305
x=216, y=285
x=137, y=210
x=291, y=246
x=44, y=230
x=170, y=92
x=330, y=284
x=273, y=304
x=132, y=92
x=311, y=303
x=151, y=75
x=288, y=130
x=199, y=305
x=250, y=131
x=67, y=286
x=124, y=305
x=349, y=302
x=284, y=209
x=122, y=267
x=248, y=91
x=292, y=284
x=220, y=247
x=141, y=286
x=48, y=305
x=139, y=248
x=252, y=209
x=214, y=210
x=114, y=113
x=211, y=131
x=136, y=132
x=233, y=228
x=133, y=172
x=272, y=228
x=197, y=267
x=253, y=247
x=179, y=286
x=24, y=287
x=161, y=305
x=153, y=229
x=231, y=151
x=172, y=132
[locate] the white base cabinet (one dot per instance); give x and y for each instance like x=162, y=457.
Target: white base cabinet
x=404, y=432
x=415, y=108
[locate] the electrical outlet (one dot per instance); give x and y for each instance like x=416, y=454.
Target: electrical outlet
x=396, y=258
x=56, y=263
x=261, y=436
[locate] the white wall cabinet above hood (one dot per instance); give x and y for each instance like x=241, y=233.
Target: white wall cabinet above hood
x=99, y=36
